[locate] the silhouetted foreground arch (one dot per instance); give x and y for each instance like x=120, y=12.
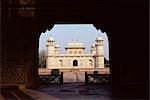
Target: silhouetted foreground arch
x=125, y=22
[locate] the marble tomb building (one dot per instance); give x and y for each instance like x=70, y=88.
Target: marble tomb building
x=75, y=57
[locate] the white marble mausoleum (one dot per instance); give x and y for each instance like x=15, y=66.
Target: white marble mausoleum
x=75, y=57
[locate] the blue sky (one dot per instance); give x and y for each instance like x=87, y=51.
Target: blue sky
x=64, y=33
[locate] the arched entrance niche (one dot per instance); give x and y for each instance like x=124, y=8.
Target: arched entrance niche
x=75, y=63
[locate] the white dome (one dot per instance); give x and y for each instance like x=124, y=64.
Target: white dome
x=99, y=38
x=57, y=46
x=75, y=44
x=50, y=38
x=93, y=45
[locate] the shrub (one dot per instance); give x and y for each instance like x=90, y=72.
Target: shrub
x=95, y=72
x=55, y=72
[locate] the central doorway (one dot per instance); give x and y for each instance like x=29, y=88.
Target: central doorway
x=75, y=63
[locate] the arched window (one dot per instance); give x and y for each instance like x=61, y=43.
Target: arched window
x=80, y=52
x=80, y=62
x=70, y=52
x=75, y=52
x=61, y=63
x=75, y=63
x=90, y=63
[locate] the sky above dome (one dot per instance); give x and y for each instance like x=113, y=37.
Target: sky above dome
x=65, y=33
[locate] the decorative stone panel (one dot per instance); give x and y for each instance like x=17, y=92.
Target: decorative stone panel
x=14, y=75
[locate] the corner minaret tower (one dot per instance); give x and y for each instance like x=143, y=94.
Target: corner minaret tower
x=99, y=52
x=50, y=52
x=93, y=49
x=57, y=47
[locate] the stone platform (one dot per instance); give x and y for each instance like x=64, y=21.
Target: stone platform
x=45, y=71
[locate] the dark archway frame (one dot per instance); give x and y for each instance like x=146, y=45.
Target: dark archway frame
x=125, y=21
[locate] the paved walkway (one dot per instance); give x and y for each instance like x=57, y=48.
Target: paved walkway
x=71, y=77
x=13, y=93
x=76, y=91
x=68, y=91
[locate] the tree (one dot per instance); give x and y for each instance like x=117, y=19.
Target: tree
x=42, y=59
x=106, y=62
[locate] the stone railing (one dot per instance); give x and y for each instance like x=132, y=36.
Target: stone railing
x=53, y=77
x=97, y=78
